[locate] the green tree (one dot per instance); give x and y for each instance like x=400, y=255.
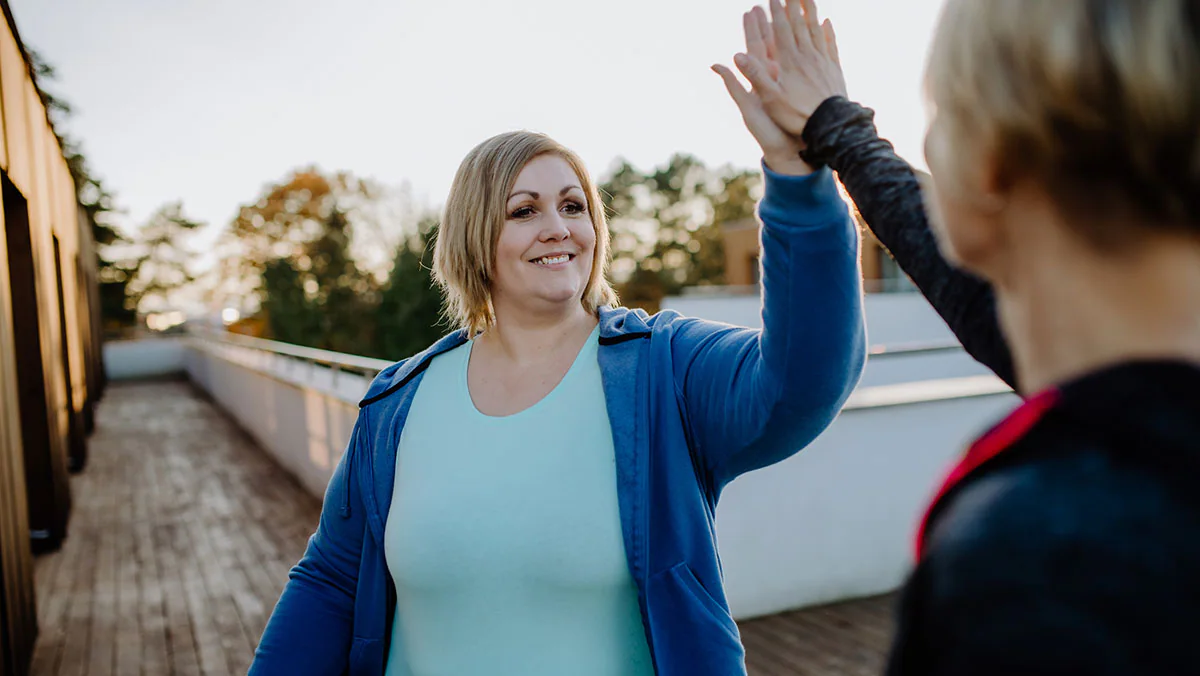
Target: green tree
x=408, y=316
x=291, y=316
x=286, y=217
x=289, y=216
x=343, y=295
x=318, y=297
x=666, y=225
x=164, y=265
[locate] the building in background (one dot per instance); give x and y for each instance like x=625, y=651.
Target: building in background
x=880, y=272
x=49, y=352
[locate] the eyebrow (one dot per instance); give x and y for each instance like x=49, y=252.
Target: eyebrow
x=535, y=195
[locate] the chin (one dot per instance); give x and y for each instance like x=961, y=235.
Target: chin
x=560, y=296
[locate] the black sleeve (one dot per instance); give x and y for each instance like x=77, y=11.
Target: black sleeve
x=842, y=135
x=1020, y=586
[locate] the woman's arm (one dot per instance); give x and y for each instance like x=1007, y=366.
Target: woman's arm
x=309, y=631
x=753, y=398
x=841, y=134
x=792, y=59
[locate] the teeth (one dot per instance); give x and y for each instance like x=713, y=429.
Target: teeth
x=552, y=260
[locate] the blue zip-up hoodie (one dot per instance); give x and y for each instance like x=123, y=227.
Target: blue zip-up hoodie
x=693, y=404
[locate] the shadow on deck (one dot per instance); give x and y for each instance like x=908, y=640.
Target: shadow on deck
x=183, y=533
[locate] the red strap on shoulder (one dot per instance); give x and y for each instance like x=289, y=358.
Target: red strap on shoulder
x=997, y=440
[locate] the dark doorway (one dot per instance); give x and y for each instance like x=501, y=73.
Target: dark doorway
x=18, y=610
x=46, y=484
x=76, y=441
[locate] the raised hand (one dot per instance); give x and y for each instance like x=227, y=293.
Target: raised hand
x=781, y=149
x=792, y=62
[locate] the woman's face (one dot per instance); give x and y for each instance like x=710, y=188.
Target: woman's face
x=546, y=247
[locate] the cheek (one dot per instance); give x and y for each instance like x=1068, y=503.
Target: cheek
x=509, y=250
x=938, y=211
x=511, y=245
x=966, y=236
x=584, y=233
x=962, y=234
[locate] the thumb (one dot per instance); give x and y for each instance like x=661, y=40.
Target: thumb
x=756, y=72
x=736, y=91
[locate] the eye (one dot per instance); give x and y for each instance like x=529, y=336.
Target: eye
x=522, y=212
x=573, y=207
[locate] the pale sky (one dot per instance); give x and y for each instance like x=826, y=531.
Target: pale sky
x=209, y=100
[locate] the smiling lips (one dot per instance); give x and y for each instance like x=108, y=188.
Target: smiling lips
x=552, y=259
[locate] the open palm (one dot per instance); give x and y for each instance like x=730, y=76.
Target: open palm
x=791, y=61
x=781, y=149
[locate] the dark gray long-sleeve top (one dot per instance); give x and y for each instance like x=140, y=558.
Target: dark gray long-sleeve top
x=842, y=135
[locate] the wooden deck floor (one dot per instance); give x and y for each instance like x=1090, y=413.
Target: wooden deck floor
x=183, y=533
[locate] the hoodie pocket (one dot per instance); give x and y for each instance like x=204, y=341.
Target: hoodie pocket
x=694, y=634
x=686, y=578
x=366, y=656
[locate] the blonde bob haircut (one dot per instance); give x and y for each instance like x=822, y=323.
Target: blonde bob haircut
x=1097, y=100
x=464, y=256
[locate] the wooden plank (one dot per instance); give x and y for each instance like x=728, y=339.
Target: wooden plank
x=184, y=656
x=151, y=610
x=13, y=75
x=128, y=630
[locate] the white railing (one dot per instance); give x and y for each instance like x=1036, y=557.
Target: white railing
x=342, y=375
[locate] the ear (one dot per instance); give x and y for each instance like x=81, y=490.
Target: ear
x=993, y=182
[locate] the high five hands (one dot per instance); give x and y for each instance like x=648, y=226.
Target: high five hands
x=791, y=61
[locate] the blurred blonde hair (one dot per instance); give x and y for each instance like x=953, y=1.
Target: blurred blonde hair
x=464, y=256
x=1098, y=100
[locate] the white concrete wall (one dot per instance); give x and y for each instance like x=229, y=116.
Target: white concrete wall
x=835, y=521
x=892, y=318
x=305, y=427
x=143, y=358
x=910, y=368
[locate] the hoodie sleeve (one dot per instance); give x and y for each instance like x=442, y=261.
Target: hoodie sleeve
x=309, y=631
x=841, y=134
x=755, y=397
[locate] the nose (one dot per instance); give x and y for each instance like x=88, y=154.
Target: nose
x=555, y=229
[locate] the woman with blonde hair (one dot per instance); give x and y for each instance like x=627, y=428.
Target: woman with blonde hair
x=535, y=493
x=1064, y=147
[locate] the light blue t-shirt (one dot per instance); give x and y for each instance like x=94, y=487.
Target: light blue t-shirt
x=504, y=536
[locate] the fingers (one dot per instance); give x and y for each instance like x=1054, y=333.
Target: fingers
x=736, y=91
x=762, y=26
x=795, y=17
x=764, y=29
x=755, y=44
x=785, y=38
x=831, y=47
x=812, y=25
x=756, y=72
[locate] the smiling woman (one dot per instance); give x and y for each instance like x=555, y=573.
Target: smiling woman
x=537, y=198
x=534, y=493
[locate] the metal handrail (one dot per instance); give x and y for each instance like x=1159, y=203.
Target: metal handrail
x=336, y=360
